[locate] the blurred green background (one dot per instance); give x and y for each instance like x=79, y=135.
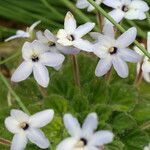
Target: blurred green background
x=121, y=106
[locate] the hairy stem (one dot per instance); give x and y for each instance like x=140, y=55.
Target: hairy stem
x=75, y=70
x=4, y=141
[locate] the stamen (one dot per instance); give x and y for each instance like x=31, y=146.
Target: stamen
x=35, y=58
x=51, y=44
x=113, y=50
x=83, y=142
x=24, y=126
x=125, y=8
x=71, y=38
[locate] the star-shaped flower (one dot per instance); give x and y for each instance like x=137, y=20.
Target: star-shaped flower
x=114, y=51
x=129, y=9
x=50, y=39
x=72, y=36
x=81, y=4
x=145, y=62
x=84, y=138
x=27, y=127
x=35, y=59
x=147, y=147
x=24, y=34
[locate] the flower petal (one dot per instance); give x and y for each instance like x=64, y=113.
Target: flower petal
x=83, y=45
x=103, y=67
x=41, y=74
x=27, y=50
x=70, y=23
x=116, y=14
x=101, y=138
x=19, y=115
x=109, y=30
x=41, y=37
x=148, y=42
x=49, y=35
x=52, y=59
x=19, y=142
x=82, y=4
x=84, y=29
x=112, y=4
x=129, y=55
x=140, y=5
x=146, y=76
x=12, y=125
x=146, y=65
x=120, y=66
x=37, y=137
x=42, y=118
x=33, y=26
x=135, y=14
x=72, y=125
x=22, y=72
x=126, y=38
x=90, y=125
x=67, y=144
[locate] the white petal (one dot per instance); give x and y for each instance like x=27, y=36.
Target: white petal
x=120, y=67
x=37, y=137
x=41, y=74
x=41, y=37
x=39, y=48
x=146, y=65
x=140, y=5
x=103, y=67
x=113, y=4
x=90, y=8
x=42, y=118
x=126, y=38
x=14, y=37
x=129, y=55
x=33, y=26
x=101, y=138
x=12, y=125
x=82, y=4
x=90, y=125
x=135, y=14
x=148, y=41
x=96, y=35
x=146, y=76
x=57, y=68
x=22, y=72
x=27, y=50
x=72, y=125
x=83, y=45
x=70, y=23
x=19, y=142
x=109, y=30
x=49, y=35
x=19, y=115
x=84, y=29
x=52, y=59
x=116, y=14
x=67, y=144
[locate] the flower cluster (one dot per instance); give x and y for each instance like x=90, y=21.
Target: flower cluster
x=27, y=127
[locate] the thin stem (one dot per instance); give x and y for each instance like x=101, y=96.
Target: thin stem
x=75, y=70
x=4, y=141
x=100, y=20
x=102, y=11
x=17, y=98
x=10, y=58
x=148, y=17
x=145, y=126
x=108, y=75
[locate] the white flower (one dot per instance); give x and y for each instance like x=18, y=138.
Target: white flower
x=50, y=39
x=129, y=9
x=35, y=60
x=147, y=147
x=24, y=34
x=114, y=51
x=28, y=128
x=84, y=138
x=81, y=4
x=145, y=62
x=72, y=36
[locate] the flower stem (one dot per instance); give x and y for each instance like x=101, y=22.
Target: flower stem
x=148, y=17
x=75, y=70
x=17, y=98
x=119, y=27
x=4, y=141
x=100, y=21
